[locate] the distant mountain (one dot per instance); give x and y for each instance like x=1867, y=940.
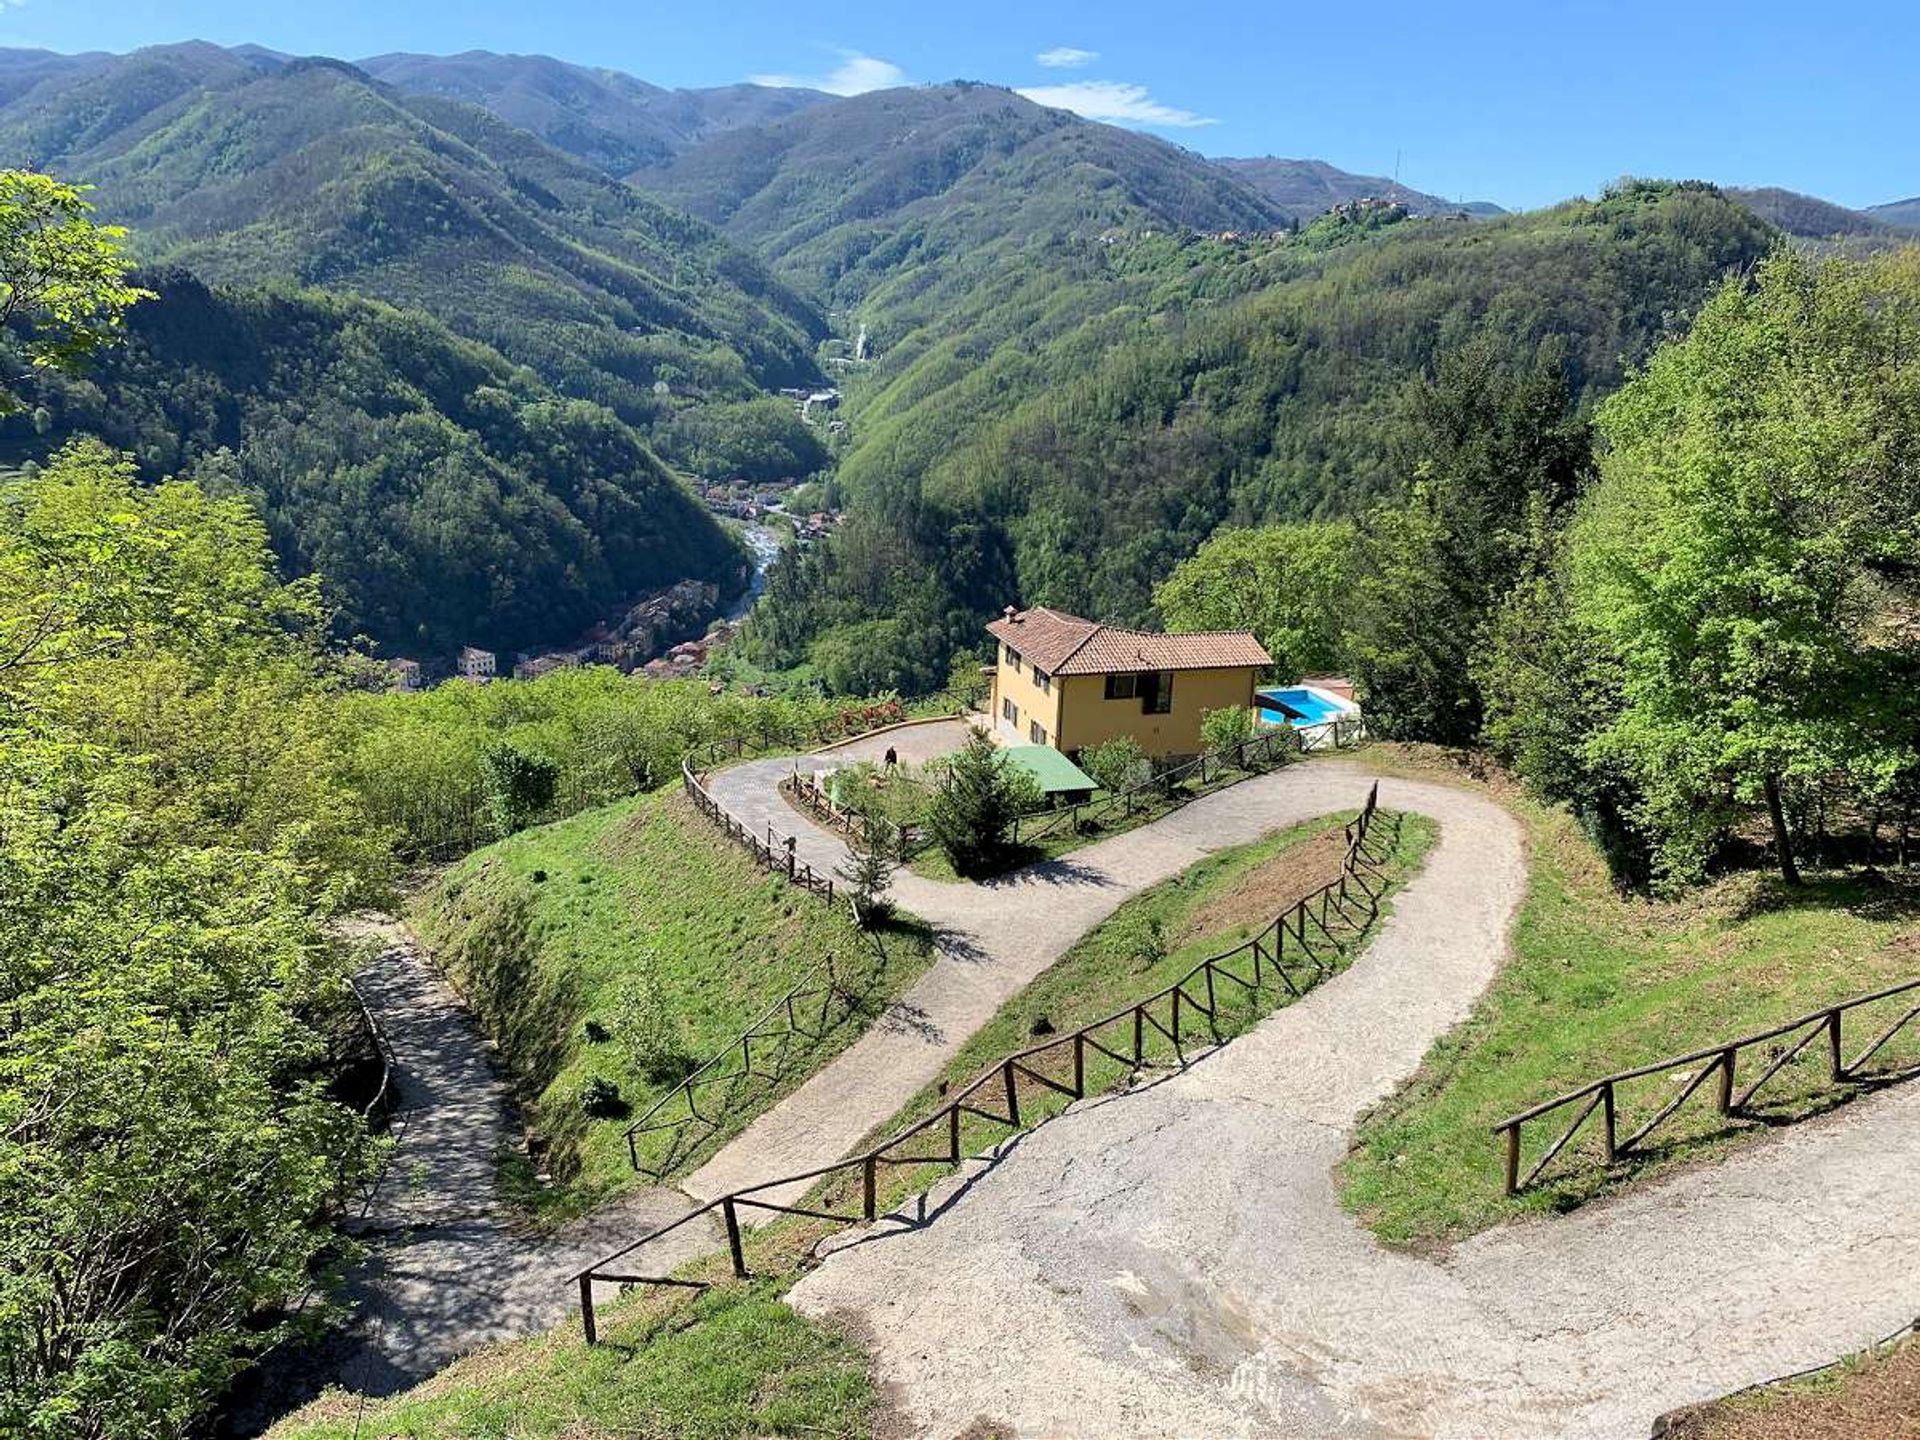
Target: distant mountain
x=840, y=197
x=1903, y=213
x=446, y=495
x=249, y=167
x=1306, y=188
x=1808, y=217
x=611, y=120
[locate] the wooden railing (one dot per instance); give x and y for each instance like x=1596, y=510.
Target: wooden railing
x=817, y=800
x=1275, y=745
x=771, y=853
x=1717, y=1062
x=1350, y=902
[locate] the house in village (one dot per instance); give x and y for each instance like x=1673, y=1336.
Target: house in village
x=1072, y=684
x=475, y=664
x=403, y=674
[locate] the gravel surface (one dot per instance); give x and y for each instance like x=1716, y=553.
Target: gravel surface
x=1174, y=1262
x=452, y=1267
x=991, y=940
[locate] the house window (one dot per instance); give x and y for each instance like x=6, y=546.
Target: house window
x=1012, y=657
x=1010, y=712
x=1121, y=687
x=1036, y=733
x=1156, y=692
x=1043, y=680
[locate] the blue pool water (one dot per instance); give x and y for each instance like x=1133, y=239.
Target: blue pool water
x=1296, y=707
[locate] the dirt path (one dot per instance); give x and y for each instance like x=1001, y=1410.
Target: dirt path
x=992, y=939
x=451, y=1267
x=1175, y=1262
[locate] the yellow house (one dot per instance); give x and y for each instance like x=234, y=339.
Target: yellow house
x=1073, y=684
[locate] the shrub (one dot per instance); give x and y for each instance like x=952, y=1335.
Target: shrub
x=1225, y=728
x=873, y=854
x=1117, y=765
x=600, y=1099
x=649, y=1031
x=977, y=803
x=519, y=785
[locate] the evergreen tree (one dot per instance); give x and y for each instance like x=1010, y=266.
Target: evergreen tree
x=974, y=809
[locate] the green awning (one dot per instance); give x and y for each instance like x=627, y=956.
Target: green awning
x=1054, y=771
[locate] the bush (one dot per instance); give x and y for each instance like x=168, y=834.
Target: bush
x=1225, y=728
x=1117, y=765
x=649, y=1031
x=519, y=785
x=873, y=854
x=600, y=1099
x=977, y=803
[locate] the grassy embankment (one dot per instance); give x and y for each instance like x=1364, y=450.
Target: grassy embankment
x=624, y=944
x=1599, y=982
x=736, y=1362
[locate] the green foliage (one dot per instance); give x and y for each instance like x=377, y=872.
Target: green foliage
x=1222, y=729
x=873, y=856
x=1071, y=429
x=174, y=825
x=1116, y=765
x=447, y=497
x=62, y=277
x=308, y=172
x=759, y=440
x=1740, y=585
x=972, y=814
x=1286, y=583
x=519, y=785
x=643, y=1018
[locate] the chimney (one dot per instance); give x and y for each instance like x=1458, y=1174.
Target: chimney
x=1010, y=615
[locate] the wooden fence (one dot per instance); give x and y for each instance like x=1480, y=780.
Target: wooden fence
x=770, y=853
x=1270, y=747
x=1717, y=1062
x=1351, y=902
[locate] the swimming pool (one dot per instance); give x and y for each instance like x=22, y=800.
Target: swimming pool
x=1298, y=706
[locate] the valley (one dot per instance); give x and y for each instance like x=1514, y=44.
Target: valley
x=829, y=753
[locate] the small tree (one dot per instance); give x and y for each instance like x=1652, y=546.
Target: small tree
x=873, y=854
x=974, y=811
x=519, y=785
x=648, y=1031
x=1224, y=728
x=1117, y=764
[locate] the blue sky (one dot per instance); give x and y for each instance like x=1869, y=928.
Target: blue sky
x=1519, y=103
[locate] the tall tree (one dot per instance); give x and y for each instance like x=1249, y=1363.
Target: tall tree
x=1286, y=583
x=62, y=277
x=1749, y=559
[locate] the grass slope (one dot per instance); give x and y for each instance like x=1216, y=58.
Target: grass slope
x=734, y=1361
x=1598, y=982
x=641, y=918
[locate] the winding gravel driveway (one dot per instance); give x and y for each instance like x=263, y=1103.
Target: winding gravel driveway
x=1175, y=1262
x=991, y=939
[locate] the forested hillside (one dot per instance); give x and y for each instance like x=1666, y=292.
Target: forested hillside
x=1306, y=188
x=901, y=198
x=447, y=496
x=1074, y=463
x=611, y=120
x=250, y=168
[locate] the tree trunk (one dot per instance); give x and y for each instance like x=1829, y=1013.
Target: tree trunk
x=1782, y=843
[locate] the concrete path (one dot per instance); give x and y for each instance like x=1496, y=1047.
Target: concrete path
x=991, y=939
x=1174, y=1262
x=451, y=1266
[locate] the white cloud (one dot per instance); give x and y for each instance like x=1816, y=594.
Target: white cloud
x=1066, y=57
x=854, y=75
x=1114, y=101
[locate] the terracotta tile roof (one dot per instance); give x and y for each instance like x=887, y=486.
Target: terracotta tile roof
x=1064, y=644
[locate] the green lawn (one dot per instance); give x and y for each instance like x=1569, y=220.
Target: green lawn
x=643, y=920
x=733, y=1362
x=1598, y=982
x=1144, y=946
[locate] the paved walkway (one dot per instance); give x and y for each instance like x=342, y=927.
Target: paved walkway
x=1174, y=1262
x=991, y=940
x=450, y=1268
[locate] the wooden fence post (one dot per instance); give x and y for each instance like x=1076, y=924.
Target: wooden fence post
x=1013, y=1095
x=1726, y=1080
x=1607, y=1114
x=1079, y=1064
x=733, y=1238
x=1833, y=1047
x=586, y=1310
x=869, y=1182
x=1513, y=1159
